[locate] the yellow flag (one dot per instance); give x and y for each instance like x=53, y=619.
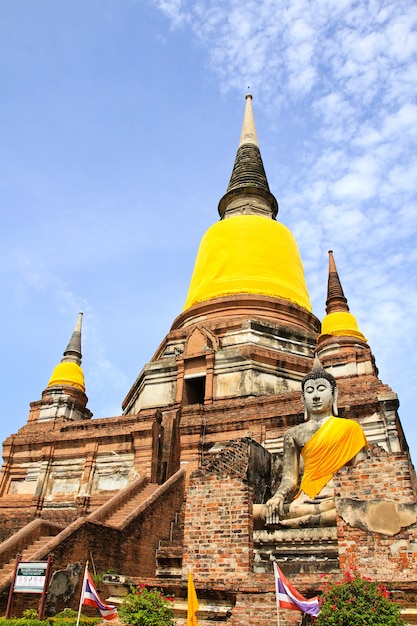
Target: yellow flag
x=192, y=603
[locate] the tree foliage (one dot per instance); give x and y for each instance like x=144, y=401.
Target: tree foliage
x=357, y=601
x=146, y=607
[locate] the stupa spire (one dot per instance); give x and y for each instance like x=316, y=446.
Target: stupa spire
x=338, y=322
x=248, y=190
x=72, y=352
x=336, y=300
x=248, y=134
x=68, y=372
x=64, y=396
x=251, y=254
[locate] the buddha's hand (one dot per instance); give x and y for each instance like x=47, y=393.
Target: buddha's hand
x=274, y=505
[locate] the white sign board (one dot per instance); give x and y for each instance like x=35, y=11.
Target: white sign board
x=30, y=577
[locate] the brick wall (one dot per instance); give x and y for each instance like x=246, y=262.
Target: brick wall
x=218, y=528
x=218, y=519
x=383, y=476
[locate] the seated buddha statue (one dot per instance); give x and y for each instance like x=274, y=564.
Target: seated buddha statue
x=326, y=443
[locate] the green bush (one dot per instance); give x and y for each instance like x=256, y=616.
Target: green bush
x=66, y=613
x=146, y=607
x=71, y=621
x=21, y=621
x=357, y=601
x=30, y=614
x=68, y=617
x=65, y=618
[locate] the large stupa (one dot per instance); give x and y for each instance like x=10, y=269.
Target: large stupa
x=171, y=484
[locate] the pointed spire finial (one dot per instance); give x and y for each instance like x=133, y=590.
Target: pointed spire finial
x=248, y=190
x=72, y=352
x=68, y=372
x=338, y=322
x=248, y=134
x=336, y=300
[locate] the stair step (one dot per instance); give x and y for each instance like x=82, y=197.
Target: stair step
x=117, y=517
x=26, y=554
x=35, y=546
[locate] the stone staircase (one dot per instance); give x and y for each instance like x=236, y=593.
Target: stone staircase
x=119, y=516
x=31, y=543
x=26, y=555
x=31, y=540
x=40, y=537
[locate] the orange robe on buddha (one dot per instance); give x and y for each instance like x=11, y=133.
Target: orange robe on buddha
x=335, y=443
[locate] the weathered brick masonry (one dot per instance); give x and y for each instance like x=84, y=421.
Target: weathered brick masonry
x=383, y=478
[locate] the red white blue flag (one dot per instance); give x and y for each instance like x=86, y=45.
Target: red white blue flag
x=90, y=597
x=289, y=598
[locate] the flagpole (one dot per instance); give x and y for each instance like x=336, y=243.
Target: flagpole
x=276, y=591
x=82, y=594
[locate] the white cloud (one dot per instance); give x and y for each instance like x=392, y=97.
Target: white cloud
x=401, y=38
x=403, y=120
x=173, y=9
x=403, y=177
x=355, y=186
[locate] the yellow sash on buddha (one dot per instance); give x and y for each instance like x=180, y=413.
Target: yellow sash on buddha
x=330, y=448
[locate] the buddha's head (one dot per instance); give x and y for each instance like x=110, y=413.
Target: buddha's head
x=319, y=392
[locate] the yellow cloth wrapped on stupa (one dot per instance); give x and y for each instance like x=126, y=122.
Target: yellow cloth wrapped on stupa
x=335, y=443
x=248, y=254
x=69, y=374
x=341, y=324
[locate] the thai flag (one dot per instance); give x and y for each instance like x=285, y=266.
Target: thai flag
x=91, y=598
x=289, y=598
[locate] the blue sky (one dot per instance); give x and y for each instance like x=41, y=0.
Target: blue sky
x=119, y=124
